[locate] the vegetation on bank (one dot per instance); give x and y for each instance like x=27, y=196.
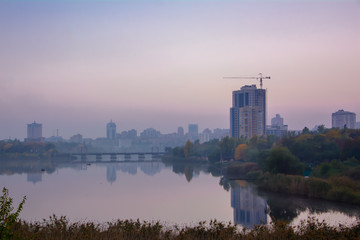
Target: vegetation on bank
x=329, y=156
x=17, y=149
x=11, y=227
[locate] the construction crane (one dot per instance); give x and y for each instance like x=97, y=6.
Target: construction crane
x=261, y=77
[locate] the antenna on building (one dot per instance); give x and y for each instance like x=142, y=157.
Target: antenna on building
x=260, y=77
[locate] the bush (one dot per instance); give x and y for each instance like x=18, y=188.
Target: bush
x=7, y=218
x=281, y=160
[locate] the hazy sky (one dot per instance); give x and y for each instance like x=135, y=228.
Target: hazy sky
x=75, y=65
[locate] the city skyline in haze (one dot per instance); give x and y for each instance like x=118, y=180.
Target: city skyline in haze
x=76, y=65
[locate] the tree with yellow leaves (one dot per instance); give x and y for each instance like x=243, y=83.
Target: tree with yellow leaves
x=240, y=152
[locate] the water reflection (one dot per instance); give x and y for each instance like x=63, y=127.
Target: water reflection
x=34, y=177
x=249, y=208
x=148, y=168
x=196, y=190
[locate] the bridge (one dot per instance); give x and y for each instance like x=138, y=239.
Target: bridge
x=117, y=156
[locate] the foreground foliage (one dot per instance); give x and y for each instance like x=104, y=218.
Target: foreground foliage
x=8, y=218
x=61, y=228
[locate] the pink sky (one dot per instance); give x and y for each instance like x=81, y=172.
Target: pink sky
x=77, y=65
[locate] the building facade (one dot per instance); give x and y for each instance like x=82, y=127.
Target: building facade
x=343, y=119
x=193, y=131
x=111, y=130
x=248, y=112
x=34, y=132
x=277, y=127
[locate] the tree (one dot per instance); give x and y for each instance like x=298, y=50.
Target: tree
x=240, y=152
x=227, y=147
x=188, y=149
x=321, y=129
x=7, y=218
x=305, y=130
x=281, y=160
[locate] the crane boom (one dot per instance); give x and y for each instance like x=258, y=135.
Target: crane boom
x=261, y=77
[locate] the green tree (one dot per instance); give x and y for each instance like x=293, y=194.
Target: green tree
x=7, y=217
x=227, y=147
x=305, y=130
x=281, y=160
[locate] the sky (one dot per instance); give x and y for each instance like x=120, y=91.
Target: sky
x=76, y=65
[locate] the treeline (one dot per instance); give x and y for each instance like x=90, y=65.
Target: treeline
x=308, y=148
x=15, y=148
x=328, y=155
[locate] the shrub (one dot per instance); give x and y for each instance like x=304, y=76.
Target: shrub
x=8, y=218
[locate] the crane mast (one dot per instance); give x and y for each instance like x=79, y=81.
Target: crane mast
x=260, y=77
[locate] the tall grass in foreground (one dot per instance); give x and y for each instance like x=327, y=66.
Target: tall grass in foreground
x=61, y=228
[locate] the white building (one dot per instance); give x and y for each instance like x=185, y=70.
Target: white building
x=343, y=119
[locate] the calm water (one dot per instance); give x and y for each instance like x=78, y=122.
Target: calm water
x=176, y=194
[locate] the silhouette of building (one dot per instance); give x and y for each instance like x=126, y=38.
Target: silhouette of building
x=277, y=127
x=206, y=135
x=34, y=132
x=78, y=138
x=343, y=119
x=193, y=131
x=248, y=112
x=180, y=131
x=111, y=130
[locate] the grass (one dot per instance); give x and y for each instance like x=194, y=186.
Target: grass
x=61, y=228
x=340, y=189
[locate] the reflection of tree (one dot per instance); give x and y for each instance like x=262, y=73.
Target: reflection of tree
x=188, y=170
x=224, y=182
x=287, y=207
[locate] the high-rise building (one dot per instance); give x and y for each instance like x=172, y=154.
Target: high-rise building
x=34, y=132
x=248, y=112
x=277, y=121
x=180, y=132
x=277, y=127
x=193, y=131
x=111, y=130
x=343, y=119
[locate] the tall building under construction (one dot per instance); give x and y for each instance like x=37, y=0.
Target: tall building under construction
x=248, y=112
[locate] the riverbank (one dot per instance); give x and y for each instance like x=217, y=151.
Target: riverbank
x=61, y=228
x=339, y=189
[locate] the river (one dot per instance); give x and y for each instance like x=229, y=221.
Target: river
x=153, y=190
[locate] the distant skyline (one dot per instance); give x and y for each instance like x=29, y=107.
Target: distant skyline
x=76, y=65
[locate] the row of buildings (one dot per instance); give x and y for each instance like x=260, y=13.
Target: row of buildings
x=247, y=119
x=248, y=115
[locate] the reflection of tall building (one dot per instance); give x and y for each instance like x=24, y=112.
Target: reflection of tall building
x=111, y=130
x=34, y=132
x=110, y=173
x=248, y=112
x=34, y=177
x=249, y=208
x=343, y=119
